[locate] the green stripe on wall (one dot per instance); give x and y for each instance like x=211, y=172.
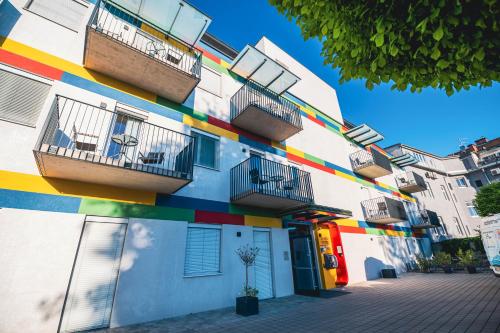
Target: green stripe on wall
x=314, y=159
x=121, y=209
x=233, y=209
x=373, y=231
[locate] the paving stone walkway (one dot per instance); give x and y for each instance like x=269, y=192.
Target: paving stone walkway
x=416, y=302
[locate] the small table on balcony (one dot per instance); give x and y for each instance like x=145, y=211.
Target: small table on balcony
x=125, y=141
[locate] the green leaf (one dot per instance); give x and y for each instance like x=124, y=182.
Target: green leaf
x=479, y=55
x=336, y=32
x=324, y=30
x=354, y=53
x=438, y=34
x=373, y=66
x=460, y=68
x=435, y=54
x=393, y=50
x=442, y=64
x=369, y=84
x=379, y=40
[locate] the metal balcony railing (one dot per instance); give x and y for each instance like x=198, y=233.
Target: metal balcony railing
x=81, y=131
x=411, y=182
x=126, y=29
x=427, y=219
x=363, y=159
x=384, y=210
x=253, y=94
x=258, y=175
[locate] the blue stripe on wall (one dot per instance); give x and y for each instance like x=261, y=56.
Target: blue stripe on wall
x=38, y=201
x=178, y=201
x=121, y=96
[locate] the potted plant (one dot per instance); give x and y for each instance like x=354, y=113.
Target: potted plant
x=443, y=260
x=424, y=264
x=468, y=260
x=248, y=304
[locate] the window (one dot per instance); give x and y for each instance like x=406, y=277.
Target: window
x=478, y=183
x=445, y=194
x=443, y=226
x=68, y=13
x=207, y=150
x=202, y=251
x=472, y=210
x=16, y=104
x=210, y=81
x=461, y=182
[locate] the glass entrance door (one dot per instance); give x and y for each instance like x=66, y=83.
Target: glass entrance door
x=305, y=278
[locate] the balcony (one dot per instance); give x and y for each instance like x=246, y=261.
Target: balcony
x=428, y=219
x=118, y=47
x=384, y=210
x=86, y=143
x=411, y=182
x=263, y=183
x=371, y=164
x=264, y=112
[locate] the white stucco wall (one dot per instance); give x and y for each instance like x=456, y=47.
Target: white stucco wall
x=152, y=285
x=37, y=251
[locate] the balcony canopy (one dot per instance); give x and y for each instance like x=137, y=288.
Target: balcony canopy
x=316, y=213
x=174, y=17
x=254, y=65
x=364, y=135
x=404, y=160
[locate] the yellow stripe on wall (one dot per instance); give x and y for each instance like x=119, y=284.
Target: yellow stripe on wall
x=347, y=222
x=38, y=184
x=204, y=126
x=258, y=221
x=70, y=67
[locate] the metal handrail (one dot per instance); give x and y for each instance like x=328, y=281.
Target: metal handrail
x=383, y=207
x=259, y=175
x=83, y=131
x=410, y=178
x=252, y=93
x=125, y=28
x=364, y=158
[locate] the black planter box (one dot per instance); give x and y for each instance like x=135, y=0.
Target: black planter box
x=389, y=273
x=247, y=305
x=471, y=269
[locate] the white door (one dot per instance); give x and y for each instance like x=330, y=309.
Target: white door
x=263, y=266
x=92, y=286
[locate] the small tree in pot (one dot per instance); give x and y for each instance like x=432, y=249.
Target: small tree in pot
x=248, y=304
x=424, y=264
x=468, y=260
x=443, y=260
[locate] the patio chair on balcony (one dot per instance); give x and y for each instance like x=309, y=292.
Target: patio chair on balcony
x=152, y=158
x=257, y=179
x=382, y=208
x=84, y=141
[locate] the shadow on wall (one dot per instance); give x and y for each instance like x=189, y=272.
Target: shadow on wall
x=373, y=267
x=90, y=299
x=8, y=18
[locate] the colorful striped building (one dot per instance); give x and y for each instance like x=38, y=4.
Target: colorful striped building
x=138, y=153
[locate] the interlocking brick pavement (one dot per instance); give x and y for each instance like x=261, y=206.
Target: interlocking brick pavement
x=415, y=302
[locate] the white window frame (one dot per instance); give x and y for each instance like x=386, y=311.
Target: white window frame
x=471, y=209
x=203, y=226
x=461, y=182
x=217, y=150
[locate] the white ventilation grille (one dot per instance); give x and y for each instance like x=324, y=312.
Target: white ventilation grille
x=21, y=98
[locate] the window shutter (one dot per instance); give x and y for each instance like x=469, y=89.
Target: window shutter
x=68, y=13
x=21, y=98
x=202, y=251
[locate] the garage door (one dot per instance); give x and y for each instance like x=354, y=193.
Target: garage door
x=92, y=287
x=263, y=266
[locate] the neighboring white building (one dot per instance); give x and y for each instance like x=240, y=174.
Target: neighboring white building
x=452, y=183
x=137, y=153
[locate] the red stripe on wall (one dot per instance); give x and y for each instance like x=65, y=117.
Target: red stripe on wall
x=201, y=216
x=310, y=163
x=231, y=128
x=30, y=65
x=210, y=56
x=352, y=230
x=317, y=121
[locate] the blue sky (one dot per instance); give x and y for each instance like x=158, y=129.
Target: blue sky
x=431, y=120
